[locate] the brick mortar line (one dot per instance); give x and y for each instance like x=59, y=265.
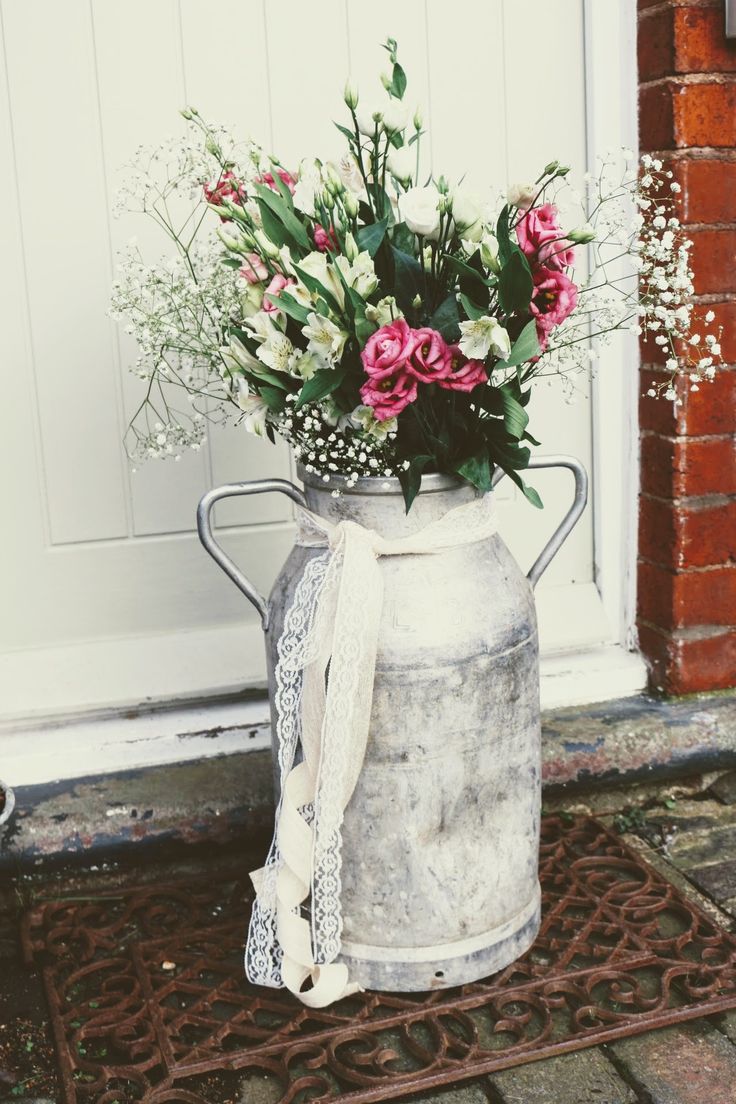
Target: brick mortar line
x=688, y=633
x=688, y=80
x=729, y=227
x=703, y=438
x=695, y=153
x=672, y=5
x=676, y=572
x=714, y=498
x=660, y=370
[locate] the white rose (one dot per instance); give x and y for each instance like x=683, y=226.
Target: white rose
x=402, y=163
x=419, y=209
x=521, y=195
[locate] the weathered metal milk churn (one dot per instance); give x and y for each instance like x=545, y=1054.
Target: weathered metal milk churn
x=439, y=882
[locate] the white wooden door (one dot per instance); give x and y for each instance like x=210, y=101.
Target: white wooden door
x=109, y=600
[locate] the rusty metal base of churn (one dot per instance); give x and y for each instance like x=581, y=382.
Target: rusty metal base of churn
x=149, y=1004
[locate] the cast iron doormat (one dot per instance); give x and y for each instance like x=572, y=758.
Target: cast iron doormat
x=149, y=1003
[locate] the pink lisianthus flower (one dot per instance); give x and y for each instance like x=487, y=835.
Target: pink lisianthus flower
x=465, y=375
x=389, y=394
x=253, y=269
x=286, y=177
x=227, y=187
x=555, y=297
x=540, y=239
x=278, y=283
x=429, y=358
x=325, y=240
x=387, y=350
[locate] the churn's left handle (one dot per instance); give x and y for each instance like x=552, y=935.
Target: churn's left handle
x=231, y=569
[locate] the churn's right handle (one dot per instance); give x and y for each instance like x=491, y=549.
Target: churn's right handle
x=204, y=527
x=571, y=518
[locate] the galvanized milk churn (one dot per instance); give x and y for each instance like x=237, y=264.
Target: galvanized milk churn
x=440, y=837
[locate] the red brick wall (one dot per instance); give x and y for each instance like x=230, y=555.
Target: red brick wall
x=687, y=520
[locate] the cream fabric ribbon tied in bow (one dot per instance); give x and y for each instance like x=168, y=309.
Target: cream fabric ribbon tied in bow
x=323, y=695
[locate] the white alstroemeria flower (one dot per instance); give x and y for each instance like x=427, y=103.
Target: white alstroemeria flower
x=251, y=300
x=276, y=351
x=237, y=359
x=262, y=325
x=402, y=163
x=255, y=409
x=325, y=338
x=521, y=196
x=309, y=181
x=286, y=261
x=483, y=335
x=383, y=312
x=364, y=417
x=305, y=365
x=361, y=274
x=317, y=265
x=419, y=209
x=467, y=213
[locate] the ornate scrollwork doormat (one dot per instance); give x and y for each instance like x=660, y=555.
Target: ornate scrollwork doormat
x=149, y=1004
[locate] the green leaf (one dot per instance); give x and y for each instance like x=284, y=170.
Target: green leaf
x=321, y=384
x=470, y=308
x=524, y=348
x=477, y=470
x=289, y=305
x=515, y=284
x=411, y=479
x=398, y=82
x=273, y=228
x=503, y=235
x=231, y=262
x=349, y=134
x=526, y=436
x=369, y=238
x=529, y=492
x=508, y=454
x=472, y=282
x=515, y=417
x=446, y=319
x=274, y=399
x=285, y=215
x=409, y=277
x=402, y=238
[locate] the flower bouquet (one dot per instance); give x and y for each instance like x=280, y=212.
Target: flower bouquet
x=383, y=323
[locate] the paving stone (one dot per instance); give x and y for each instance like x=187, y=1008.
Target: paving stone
x=470, y=1093
x=689, y=850
x=717, y=879
x=724, y=788
x=584, y=1077
x=689, y=1064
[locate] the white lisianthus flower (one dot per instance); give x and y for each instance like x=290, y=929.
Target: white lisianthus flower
x=325, y=338
x=402, y=163
x=467, y=211
x=364, y=418
x=521, y=196
x=395, y=115
x=419, y=209
x=276, y=351
x=254, y=408
x=370, y=117
x=482, y=336
x=383, y=312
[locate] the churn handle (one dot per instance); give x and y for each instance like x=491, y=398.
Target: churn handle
x=571, y=518
x=231, y=569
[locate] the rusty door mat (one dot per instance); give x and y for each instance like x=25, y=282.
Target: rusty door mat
x=149, y=1003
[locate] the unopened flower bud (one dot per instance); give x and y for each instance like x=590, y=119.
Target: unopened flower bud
x=266, y=246
x=521, y=196
x=350, y=95
x=327, y=198
x=351, y=247
x=350, y=203
x=582, y=235
x=187, y=113
x=442, y=185
x=551, y=168
x=386, y=81
x=235, y=245
x=418, y=119
x=334, y=180
x=212, y=147
x=416, y=302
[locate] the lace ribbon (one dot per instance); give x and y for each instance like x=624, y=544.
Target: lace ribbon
x=333, y=624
